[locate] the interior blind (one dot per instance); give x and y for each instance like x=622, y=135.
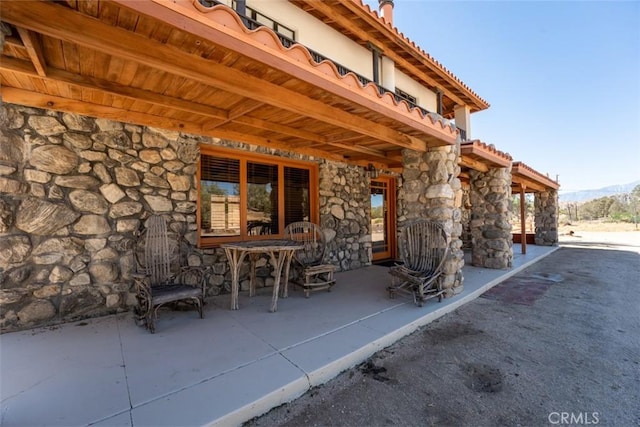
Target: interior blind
x=262, y=198
x=219, y=196
x=297, y=197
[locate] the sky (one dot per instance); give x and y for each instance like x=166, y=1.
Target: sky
x=562, y=78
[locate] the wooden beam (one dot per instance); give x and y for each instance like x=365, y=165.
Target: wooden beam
x=92, y=83
x=76, y=28
x=530, y=185
x=523, y=224
x=275, y=127
x=33, y=45
x=14, y=41
x=470, y=163
x=360, y=149
x=343, y=137
x=244, y=108
x=87, y=82
x=38, y=100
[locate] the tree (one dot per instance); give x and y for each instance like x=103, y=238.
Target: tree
x=208, y=189
x=528, y=209
x=634, y=201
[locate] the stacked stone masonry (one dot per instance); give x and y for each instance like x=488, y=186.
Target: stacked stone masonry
x=74, y=192
x=490, y=198
x=430, y=188
x=546, y=218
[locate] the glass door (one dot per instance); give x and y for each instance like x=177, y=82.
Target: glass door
x=382, y=214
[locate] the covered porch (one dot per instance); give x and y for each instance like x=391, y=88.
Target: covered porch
x=222, y=370
x=112, y=107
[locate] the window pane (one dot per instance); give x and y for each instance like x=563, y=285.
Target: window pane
x=296, y=189
x=219, y=196
x=262, y=199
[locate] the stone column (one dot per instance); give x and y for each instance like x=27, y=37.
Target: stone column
x=345, y=217
x=490, y=226
x=546, y=218
x=465, y=209
x=430, y=189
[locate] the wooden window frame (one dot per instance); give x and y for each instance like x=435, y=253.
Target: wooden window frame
x=314, y=213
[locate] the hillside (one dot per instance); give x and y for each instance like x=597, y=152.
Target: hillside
x=586, y=195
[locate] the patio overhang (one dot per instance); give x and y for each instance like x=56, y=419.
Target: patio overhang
x=476, y=155
x=526, y=178
x=182, y=66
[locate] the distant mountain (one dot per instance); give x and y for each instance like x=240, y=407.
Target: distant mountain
x=586, y=195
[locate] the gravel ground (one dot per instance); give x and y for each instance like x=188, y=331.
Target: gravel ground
x=557, y=344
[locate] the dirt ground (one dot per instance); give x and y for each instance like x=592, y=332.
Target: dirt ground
x=557, y=344
x=598, y=226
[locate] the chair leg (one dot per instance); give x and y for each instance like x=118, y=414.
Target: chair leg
x=331, y=281
x=150, y=321
x=199, y=306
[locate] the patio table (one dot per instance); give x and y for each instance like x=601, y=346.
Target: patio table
x=280, y=252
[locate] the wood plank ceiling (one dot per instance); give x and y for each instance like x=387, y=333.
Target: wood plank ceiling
x=175, y=66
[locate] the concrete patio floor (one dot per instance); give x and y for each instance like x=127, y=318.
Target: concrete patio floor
x=222, y=370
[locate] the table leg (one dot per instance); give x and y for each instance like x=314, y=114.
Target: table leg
x=287, y=266
x=278, y=262
x=235, y=258
x=252, y=274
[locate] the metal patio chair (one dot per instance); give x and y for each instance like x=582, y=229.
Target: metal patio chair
x=316, y=275
x=163, y=274
x=424, y=246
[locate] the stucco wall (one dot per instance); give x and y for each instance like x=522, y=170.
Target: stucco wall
x=426, y=98
x=318, y=36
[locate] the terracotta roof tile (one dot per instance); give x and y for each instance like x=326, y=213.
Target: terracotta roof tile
x=432, y=60
x=266, y=36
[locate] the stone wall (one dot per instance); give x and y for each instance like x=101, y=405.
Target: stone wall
x=490, y=213
x=546, y=218
x=345, y=215
x=73, y=193
x=429, y=189
x=75, y=190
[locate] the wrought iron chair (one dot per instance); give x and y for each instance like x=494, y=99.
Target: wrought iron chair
x=163, y=274
x=424, y=246
x=316, y=275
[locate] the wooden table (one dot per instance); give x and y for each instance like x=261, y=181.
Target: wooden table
x=280, y=251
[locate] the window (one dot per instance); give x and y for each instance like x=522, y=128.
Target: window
x=252, y=197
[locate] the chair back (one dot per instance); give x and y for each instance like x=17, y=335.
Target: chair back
x=424, y=246
x=159, y=250
x=312, y=253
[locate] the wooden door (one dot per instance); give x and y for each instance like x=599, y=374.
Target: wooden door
x=383, y=218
